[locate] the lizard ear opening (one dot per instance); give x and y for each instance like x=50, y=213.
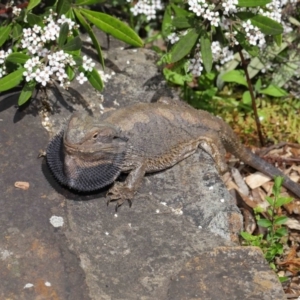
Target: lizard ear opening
x=78, y=174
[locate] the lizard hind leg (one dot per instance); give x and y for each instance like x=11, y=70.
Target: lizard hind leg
x=214, y=147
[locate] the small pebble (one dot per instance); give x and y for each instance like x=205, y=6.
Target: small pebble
x=56, y=221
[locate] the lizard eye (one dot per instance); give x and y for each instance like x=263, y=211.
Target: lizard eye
x=95, y=135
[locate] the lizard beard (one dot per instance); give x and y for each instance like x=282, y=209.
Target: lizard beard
x=78, y=175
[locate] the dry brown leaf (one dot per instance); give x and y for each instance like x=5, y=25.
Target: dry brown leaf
x=293, y=207
x=292, y=261
x=294, y=176
x=268, y=187
x=296, y=168
x=22, y=185
x=292, y=224
x=231, y=185
x=258, y=194
x=249, y=221
x=250, y=202
x=295, y=152
x=257, y=179
x=238, y=179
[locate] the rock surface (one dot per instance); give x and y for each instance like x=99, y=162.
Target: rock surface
x=178, y=221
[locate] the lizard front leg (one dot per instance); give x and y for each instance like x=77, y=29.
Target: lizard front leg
x=122, y=191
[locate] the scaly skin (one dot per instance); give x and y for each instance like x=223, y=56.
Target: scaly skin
x=139, y=139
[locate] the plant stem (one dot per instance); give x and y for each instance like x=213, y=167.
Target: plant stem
x=250, y=87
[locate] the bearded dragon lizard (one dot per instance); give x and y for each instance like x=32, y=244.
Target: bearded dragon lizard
x=146, y=137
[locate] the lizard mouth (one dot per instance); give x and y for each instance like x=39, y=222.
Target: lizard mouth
x=76, y=174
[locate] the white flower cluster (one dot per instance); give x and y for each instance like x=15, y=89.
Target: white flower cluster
x=34, y=39
x=231, y=38
x=196, y=63
x=207, y=10
x=147, y=7
x=202, y=9
x=173, y=38
x=37, y=70
x=230, y=6
x=44, y=64
x=253, y=34
x=220, y=54
x=16, y=11
x=3, y=55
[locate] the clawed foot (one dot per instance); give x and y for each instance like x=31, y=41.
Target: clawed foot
x=121, y=193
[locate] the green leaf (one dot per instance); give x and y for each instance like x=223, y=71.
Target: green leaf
x=63, y=6
x=182, y=22
x=206, y=52
x=63, y=34
x=279, y=220
x=274, y=91
x=17, y=58
x=245, y=15
x=251, y=3
x=246, y=99
x=11, y=80
x=95, y=80
x=280, y=232
x=70, y=73
x=236, y=76
x=89, y=30
x=264, y=223
x=184, y=45
x=270, y=212
x=4, y=34
x=32, y=4
x=176, y=78
x=270, y=200
x=88, y=2
x=33, y=19
x=247, y=236
x=278, y=39
x=283, y=201
x=113, y=26
x=26, y=92
x=166, y=27
x=17, y=31
x=294, y=21
x=72, y=45
x=258, y=84
x=286, y=70
x=267, y=25
x=78, y=59
x=278, y=181
x=179, y=12
x=283, y=278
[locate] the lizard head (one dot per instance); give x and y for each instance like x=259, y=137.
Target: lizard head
x=88, y=155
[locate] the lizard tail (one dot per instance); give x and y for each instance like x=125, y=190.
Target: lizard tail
x=268, y=169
